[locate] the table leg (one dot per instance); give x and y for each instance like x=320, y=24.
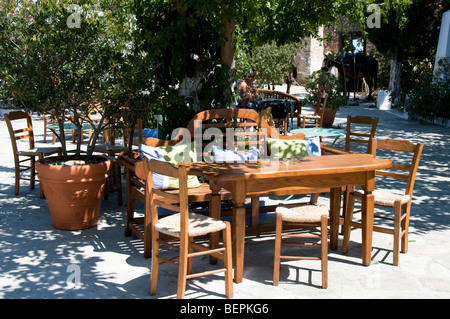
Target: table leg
x=367, y=226
x=214, y=211
x=335, y=208
x=238, y=230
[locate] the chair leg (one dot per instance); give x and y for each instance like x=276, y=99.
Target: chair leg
x=228, y=258
x=277, y=252
x=155, y=263
x=314, y=198
x=17, y=184
x=324, y=250
x=182, y=269
x=148, y=234
x=397, y=231
x=32, y=172
x=405, y=227
x=41, y=189
x=347, y=191
x=214, y=212
x=190, y=259
x=347, y=223
x=130, y=198
x=119, y=184
x=254, y=217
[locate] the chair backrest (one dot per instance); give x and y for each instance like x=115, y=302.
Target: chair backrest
x=22, y=128
x=360, y=129
x=236, y=129
x=253, y=131
x=405, y=158
x=129, y=134
x=174, y=201
x=319, y=108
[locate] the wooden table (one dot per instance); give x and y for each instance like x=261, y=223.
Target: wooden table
x=246, y=179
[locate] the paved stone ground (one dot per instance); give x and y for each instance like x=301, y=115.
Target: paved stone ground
x=39, y=261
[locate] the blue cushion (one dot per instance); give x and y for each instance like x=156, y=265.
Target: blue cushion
x=314, y=146
x=150, y=132
x=222, y=155
x=165, y=154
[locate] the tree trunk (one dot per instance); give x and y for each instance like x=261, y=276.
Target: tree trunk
x=227, y=54
x=227, y=51
x=395, y=75
x=344, y=75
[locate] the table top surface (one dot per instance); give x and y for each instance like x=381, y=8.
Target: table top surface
x=319, y=131
x=311, y=165
x=271, y=99
x=70, y=126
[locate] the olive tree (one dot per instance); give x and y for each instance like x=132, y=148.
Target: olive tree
x=65, y=59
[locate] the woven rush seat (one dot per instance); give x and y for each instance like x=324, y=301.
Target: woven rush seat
x=199, y=225
x=303, y=214
x=385, y=198
x=35, y=151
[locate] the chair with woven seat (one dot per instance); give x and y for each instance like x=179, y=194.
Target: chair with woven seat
x=307, y=215
x=20, y=127
x=111, y=150
x=408, y=155
x=319, y=109
x=182, y=226
x=49, y=120
x=360, y=130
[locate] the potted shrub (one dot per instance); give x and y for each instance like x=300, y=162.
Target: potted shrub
x=65, y=59
x=318, y=83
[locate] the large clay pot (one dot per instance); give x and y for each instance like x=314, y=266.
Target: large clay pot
x=74, y=193
x=328, y=118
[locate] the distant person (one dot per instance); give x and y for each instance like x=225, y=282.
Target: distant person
x=247, y=88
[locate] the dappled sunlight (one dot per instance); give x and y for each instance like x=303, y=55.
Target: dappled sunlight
x=38, y=257
x=429, y=210
x=39, y=261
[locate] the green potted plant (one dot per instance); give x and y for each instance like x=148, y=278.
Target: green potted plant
x=66, y=59
x=318, y=83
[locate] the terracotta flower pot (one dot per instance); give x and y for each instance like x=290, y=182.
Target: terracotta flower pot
x=328, y=118
x=74, y=193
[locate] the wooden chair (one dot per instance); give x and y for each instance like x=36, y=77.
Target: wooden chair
x=129, y=135
x=391, y=198
x=303, y=216
x=319, y=109
x=20, y=127
x=49, y=119
x=183, y=226
x=360, y=129
x=112, y=150
x=135, y=181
